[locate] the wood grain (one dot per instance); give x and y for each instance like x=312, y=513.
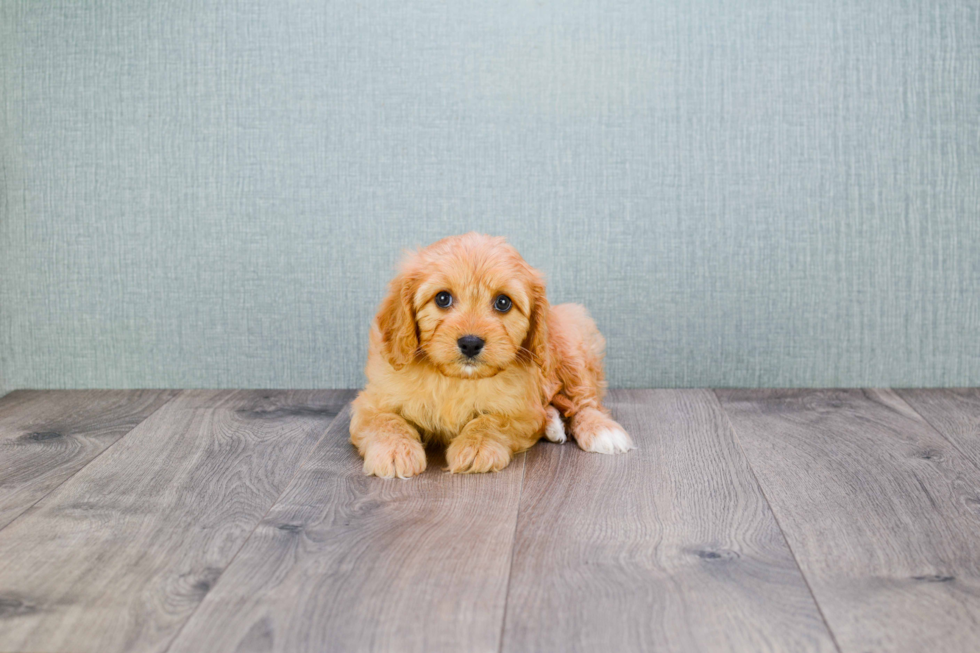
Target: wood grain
x=882, y=513
x=46, y=436
x=671, y=547
x=347, y=562
x=120, y=555
x=954, y=412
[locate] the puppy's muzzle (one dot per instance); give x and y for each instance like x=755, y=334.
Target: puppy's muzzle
x=471, y=346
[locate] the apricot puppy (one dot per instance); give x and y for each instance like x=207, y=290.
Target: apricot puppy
x=465, y=351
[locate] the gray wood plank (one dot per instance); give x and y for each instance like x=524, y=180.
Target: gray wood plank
x=46, y=436
x=880, y=511
x=671, y=547
x=346, y=562
x=954, y=412
x=120, y=555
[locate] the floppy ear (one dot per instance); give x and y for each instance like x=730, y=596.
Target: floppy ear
x=396, y=320
x=536, y=340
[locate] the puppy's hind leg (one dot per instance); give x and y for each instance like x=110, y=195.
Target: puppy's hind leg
x=581, y=349
x=596, y=432
x=555, y=429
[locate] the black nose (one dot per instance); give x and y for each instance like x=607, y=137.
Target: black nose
x=470, y=345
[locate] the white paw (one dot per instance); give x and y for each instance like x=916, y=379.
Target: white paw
x=610, y=441
x=555, y=430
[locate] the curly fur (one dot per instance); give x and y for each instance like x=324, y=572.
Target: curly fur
x=537, y=359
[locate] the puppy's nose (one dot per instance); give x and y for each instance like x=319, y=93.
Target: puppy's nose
x=470, y=345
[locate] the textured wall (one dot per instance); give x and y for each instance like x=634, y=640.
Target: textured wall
x=744, y=193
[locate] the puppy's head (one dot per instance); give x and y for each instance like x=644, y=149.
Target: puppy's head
x=469, y=305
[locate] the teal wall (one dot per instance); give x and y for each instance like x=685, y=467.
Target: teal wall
x=777, y=193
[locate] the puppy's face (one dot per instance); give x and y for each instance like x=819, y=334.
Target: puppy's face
x=472, y=318
x=470, y=305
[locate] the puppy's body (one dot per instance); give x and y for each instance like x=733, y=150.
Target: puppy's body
x=534, y=364
x=440, y=406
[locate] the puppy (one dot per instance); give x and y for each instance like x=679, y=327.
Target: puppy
x=465, y=351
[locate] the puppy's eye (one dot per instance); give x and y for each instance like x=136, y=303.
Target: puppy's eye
x=444, y=300
x=502, y=303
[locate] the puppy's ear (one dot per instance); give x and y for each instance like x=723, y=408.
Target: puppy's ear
x=536, y=340
x=396, y=320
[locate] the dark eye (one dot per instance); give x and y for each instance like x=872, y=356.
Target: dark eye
x=502, y=303
x=444, y=300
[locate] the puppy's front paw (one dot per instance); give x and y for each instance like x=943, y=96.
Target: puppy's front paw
x=471, y=455
x=401, y=457
x=597, y=433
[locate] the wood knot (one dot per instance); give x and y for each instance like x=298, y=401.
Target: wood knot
x=42, y=436
x=934, y=578
x=714, y=554
x=206, y=580
x=13, y=607
x=288, y=412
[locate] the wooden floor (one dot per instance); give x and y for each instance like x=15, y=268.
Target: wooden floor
x=746, y=520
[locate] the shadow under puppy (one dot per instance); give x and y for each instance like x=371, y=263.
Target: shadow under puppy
x=466, y=351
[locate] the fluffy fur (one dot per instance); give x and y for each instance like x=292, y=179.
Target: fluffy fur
x=540, y=369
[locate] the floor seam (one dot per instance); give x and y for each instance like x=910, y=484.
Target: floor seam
x=775, y=517
x=299, y=467
x=928, y=423
x=513, y=555
x=94, y=458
